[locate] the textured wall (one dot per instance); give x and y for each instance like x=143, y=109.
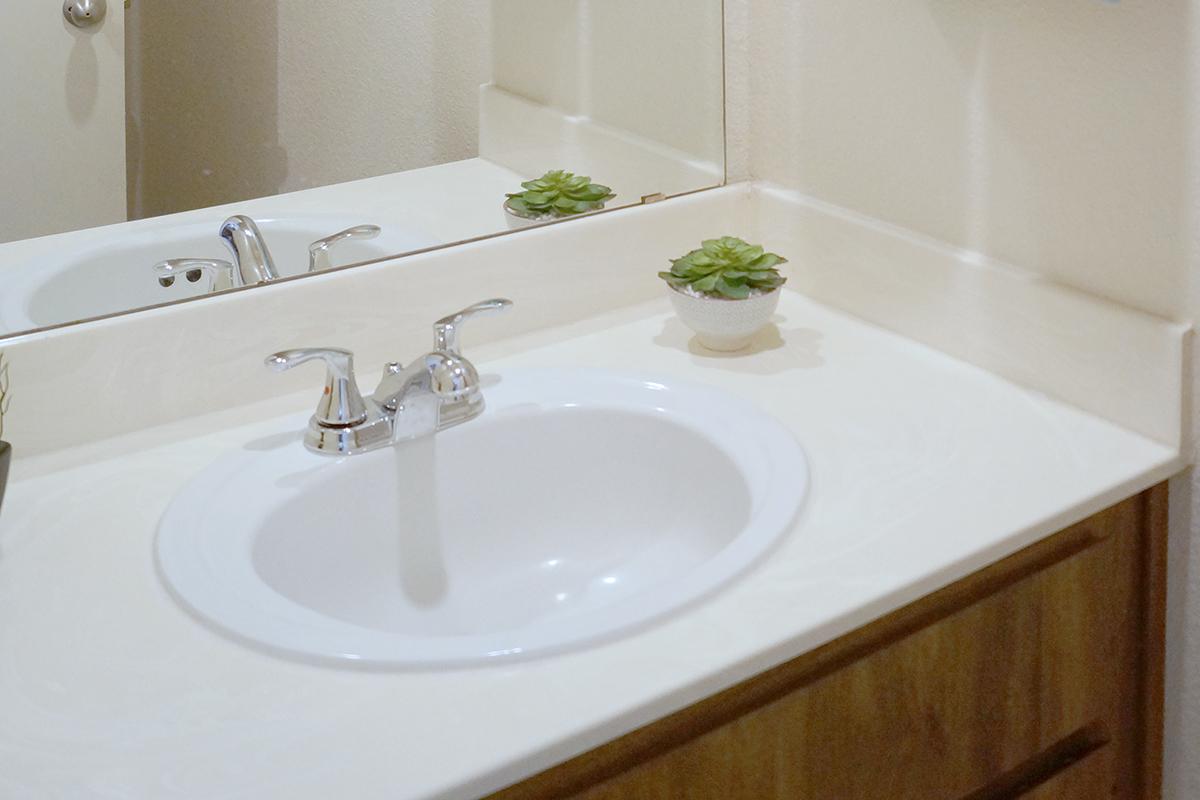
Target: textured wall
x=549, y=71
x=233, y=100
x=370, y=87
x=1058, y=136
x=237, y=100
x=1050, y=135
x=653, y=70
x=62, y=162
x=1183, y=634
x=661, y=77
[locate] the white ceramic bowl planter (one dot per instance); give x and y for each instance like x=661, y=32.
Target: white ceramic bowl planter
x=725, y=291
x=516, y=220
x=720, y=323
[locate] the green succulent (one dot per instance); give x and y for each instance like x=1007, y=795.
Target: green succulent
x=728, y=268
x=560, y=193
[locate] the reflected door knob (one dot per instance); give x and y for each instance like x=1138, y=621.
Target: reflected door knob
x=85, y=13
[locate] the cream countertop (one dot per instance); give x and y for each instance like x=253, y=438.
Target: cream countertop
x=924, y=469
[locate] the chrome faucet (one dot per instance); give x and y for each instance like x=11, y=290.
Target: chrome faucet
x=252, y=262
x=434, y=392
x=250, y=253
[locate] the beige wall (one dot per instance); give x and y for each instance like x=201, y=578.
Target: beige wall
x=675, y=46
x=1048, y=134
x=535, y=51
x=650, y=69
x=1057, y=136
x=233, y=100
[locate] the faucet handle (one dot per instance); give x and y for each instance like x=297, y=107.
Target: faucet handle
x=318, y=251
x=445, y=330
x=341, y=404
x=193, y=268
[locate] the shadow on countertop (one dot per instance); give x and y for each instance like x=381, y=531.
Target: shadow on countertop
x=785, y=348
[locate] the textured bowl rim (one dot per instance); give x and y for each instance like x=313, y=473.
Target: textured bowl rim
x=719, y=299
x=542, y=218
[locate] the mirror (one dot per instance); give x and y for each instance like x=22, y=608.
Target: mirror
x=135, y=130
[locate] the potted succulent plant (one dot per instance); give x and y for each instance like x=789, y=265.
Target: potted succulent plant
x=555, y=195
x=725, y=291
x=5, y=447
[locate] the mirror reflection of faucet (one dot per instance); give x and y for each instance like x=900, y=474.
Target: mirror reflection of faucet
x=251, y=256
x=252, y=261
x=193, y=269
x=318, y=251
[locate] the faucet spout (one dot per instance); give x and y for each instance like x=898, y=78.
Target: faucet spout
x=250, y=253
x=434, y=392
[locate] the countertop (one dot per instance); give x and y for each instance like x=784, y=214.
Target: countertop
x=924, y=470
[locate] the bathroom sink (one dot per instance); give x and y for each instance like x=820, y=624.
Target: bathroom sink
x=116, y=275
x=582, y=504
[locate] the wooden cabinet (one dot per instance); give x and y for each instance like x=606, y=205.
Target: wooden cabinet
x=1039, y=677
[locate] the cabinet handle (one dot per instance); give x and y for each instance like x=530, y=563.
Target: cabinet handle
x=1035, y=771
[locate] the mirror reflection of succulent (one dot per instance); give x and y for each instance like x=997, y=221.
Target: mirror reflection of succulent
x=559, y=193
x=727, y=268
x=5, y=397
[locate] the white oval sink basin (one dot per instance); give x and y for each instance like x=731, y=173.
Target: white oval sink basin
x=117, y=275
x=580, y=505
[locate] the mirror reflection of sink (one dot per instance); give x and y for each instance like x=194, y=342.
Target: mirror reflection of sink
x=580, y=505
x=117, y=275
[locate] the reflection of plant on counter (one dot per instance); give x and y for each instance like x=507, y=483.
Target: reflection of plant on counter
x=5, y=447
x=726, y=291
x=557, y=194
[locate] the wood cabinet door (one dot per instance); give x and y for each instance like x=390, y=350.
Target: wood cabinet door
x=1040, y=674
